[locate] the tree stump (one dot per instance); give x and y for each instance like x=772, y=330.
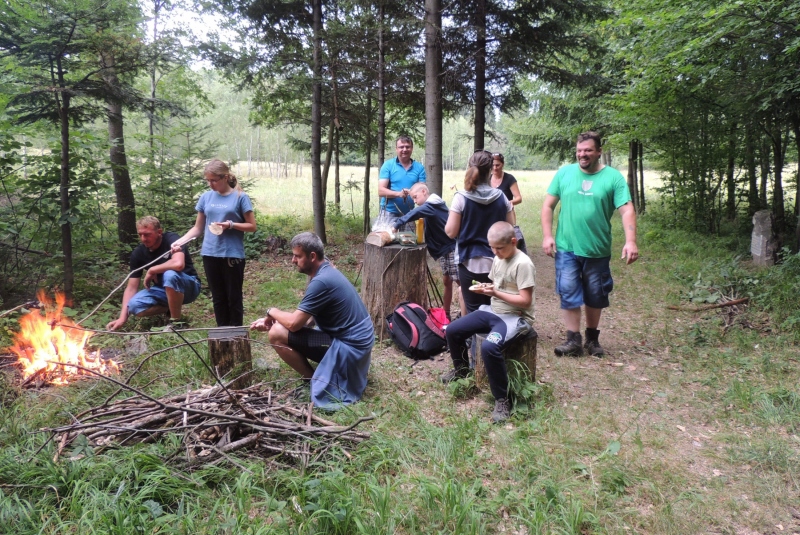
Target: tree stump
x=392, y=274
x=229, y=352
x=522, y=350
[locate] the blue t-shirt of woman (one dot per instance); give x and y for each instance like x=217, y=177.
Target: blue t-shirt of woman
x=221, y=208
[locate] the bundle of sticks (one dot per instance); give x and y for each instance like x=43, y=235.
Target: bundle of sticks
x=215, y=422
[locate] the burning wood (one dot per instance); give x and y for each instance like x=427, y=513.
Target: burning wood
x=261, y=422
x=42, y=347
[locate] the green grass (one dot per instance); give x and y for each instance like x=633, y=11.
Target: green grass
x=689, y=427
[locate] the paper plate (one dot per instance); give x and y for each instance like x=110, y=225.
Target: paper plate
x=482, y=286
x=215, y=228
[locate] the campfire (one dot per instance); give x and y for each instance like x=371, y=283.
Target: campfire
x=49, y=351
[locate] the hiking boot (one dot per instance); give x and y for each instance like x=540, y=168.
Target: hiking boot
x=502, y=410
x=453, y=374
x=572, y=347
x=592, y=344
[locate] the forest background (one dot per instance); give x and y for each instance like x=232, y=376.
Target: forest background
x=110, y=109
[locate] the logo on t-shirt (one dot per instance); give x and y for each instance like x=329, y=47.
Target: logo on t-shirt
x=586, y=186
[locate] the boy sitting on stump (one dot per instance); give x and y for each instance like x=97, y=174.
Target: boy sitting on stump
x=510, y=316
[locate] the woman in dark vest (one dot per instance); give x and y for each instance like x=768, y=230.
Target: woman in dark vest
x=472, y=212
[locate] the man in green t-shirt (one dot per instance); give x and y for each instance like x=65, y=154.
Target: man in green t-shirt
x=589, y=192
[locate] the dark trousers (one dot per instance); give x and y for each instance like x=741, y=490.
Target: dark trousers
x=491, y=349
x=225, y=277
x=472, y=300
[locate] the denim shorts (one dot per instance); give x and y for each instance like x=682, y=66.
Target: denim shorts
x=156, y=295
x=581, y=280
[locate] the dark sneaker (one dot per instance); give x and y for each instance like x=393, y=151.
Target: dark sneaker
x=572, y=347
x=174, y=324
x=453, y=374
x=502, y=410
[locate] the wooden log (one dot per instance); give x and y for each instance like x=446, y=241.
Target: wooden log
x=229, y=352
x=392, y=274
x=522, y=350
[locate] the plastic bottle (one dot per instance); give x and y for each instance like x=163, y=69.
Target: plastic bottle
x=421, y=230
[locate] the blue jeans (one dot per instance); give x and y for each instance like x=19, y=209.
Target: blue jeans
x=581, y=280
x=491, y=349
x=156, y=295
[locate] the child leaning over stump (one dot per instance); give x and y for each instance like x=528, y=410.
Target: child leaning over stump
x=440, y=246
x=509, y=316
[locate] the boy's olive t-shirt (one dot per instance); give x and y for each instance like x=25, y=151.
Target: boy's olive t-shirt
x=509, y=276
x=587, y=204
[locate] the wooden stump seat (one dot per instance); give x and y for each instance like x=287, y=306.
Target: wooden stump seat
x=522, y=350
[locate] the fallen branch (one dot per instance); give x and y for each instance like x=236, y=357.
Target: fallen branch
x=709, y=307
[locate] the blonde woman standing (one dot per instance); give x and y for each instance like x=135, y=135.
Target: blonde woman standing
x=224, y=214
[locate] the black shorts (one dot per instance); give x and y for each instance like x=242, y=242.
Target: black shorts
x=311, y=343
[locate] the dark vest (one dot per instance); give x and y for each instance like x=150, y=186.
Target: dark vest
x=475, y=222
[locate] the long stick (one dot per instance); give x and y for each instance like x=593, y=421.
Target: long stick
x=709, y=307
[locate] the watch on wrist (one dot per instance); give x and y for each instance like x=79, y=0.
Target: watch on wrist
x=268, y=311
x=230, y=224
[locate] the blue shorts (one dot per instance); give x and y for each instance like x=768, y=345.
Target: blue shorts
x=156, y=295
x=581, y=280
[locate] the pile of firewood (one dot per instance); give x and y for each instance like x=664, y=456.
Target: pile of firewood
x=215, y=422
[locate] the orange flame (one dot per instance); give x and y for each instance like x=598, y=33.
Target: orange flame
x=42, y=343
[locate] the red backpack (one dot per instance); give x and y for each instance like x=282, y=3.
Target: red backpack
x=414, y=330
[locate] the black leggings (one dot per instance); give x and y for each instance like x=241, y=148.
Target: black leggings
x=225, y=277
x=472, y=300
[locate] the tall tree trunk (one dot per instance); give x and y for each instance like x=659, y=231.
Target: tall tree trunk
x=633, y=154
x=381, y=89
x=151, y=123
x=795, y=118
x=765, y=171
x=480, y=75
x=752, y=177
x=730, y=201
x=126, y=203
x=337, y=186
x=433, y=93
x=368, y=152
x=777, y=188
x=641, y=178
x=327, y=168
x=317, y=198
x=66, y=225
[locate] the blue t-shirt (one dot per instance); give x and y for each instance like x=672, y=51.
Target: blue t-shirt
x=399, y=179
x=333, y=301
x=220, y=208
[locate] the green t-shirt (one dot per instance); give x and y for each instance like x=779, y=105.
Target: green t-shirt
x=587, y=204
x=509, y=276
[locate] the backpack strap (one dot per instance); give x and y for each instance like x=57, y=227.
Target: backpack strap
x=402, y=312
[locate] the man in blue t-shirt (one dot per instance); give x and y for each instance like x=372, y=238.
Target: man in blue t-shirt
x=396, y=178
x=341, y=342
x=169, y=284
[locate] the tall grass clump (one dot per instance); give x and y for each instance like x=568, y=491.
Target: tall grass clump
x=779, y=291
